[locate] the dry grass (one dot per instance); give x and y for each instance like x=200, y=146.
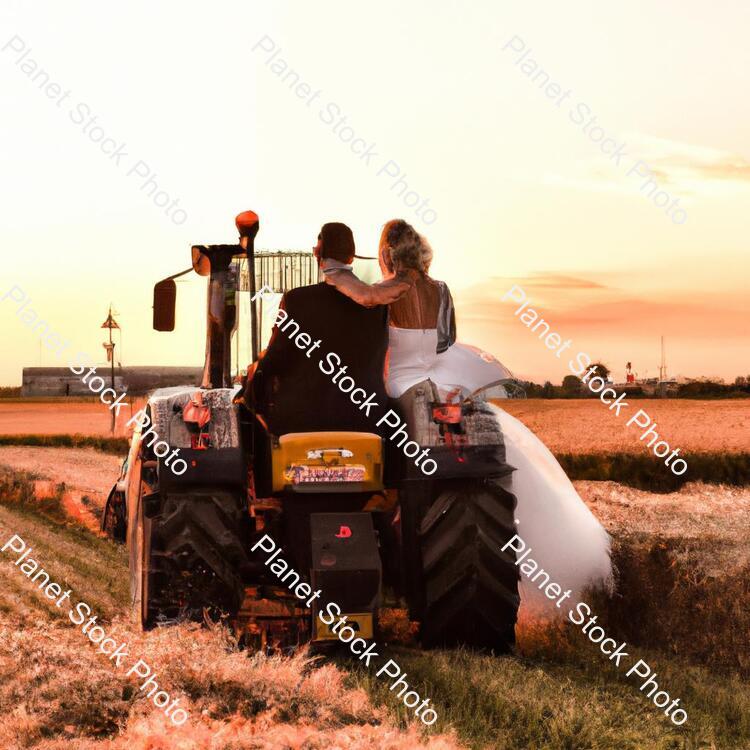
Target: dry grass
x=665, y=600
x=565, y=426
x=715, y=518
x=684, y=589
x=62, y=690
x=84, y=469
x=681, y=607
x=56, y=691
x=586, y=426
x=682, y=604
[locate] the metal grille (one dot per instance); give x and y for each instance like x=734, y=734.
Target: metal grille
x=282, y=270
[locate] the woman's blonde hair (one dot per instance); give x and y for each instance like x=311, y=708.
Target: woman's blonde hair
x=401, y=246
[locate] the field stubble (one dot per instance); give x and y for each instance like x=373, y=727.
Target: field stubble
x=587, y=426
x=565, y=426
x=683, y=600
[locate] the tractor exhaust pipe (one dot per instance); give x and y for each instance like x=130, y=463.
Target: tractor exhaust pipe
x=215, y=261
x=247, y=224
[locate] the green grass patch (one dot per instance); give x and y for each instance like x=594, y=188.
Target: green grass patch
x=580, y=702
x=647, y=472
x=117, y=446
x=691, y=627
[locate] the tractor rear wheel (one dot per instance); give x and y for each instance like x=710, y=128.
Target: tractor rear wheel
x=469, y=585
x=189, y=556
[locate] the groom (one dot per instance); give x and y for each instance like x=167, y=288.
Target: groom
x=289, y=388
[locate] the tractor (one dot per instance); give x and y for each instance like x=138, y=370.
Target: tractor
x=204, y=481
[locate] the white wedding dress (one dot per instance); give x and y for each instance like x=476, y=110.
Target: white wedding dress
x=565, y=538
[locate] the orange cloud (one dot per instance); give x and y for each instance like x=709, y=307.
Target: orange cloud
x=545, y=280
x=707, y=332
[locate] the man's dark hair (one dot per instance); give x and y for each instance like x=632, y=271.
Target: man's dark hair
x=338, y=242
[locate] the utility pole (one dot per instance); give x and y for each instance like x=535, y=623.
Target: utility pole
x=663, y=366
x=111, y=323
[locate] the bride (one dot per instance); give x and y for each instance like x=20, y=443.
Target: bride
x=566, y=539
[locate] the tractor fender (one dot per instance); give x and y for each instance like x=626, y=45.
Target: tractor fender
x=211, y=454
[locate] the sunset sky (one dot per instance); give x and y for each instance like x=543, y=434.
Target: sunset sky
x=197, y=96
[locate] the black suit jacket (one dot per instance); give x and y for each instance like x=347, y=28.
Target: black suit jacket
x=290, y=390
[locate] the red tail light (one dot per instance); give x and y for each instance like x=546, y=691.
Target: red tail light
x=447, y=413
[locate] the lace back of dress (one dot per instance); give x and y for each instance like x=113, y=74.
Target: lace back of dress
x=419, y=307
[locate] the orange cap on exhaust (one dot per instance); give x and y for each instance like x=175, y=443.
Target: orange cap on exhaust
x=247, y=223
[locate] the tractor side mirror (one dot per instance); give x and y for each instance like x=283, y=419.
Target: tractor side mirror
x=165, y=298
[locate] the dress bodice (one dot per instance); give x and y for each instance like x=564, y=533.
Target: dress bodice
x=427, y=305
x=416, y=347
x=414, y=357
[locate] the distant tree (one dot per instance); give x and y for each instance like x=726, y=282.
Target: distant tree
x=571, y=385
x=548, y=390
x=601, y=370
x=740, y=380
x=533, y=390
x=710, y=389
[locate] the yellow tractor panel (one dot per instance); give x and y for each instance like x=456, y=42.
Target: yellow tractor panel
x=328, y=462
x=361, y=623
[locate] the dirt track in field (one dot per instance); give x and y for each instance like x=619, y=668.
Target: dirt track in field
x=19, y=417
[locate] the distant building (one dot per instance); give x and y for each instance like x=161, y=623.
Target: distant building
x=60, y=381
